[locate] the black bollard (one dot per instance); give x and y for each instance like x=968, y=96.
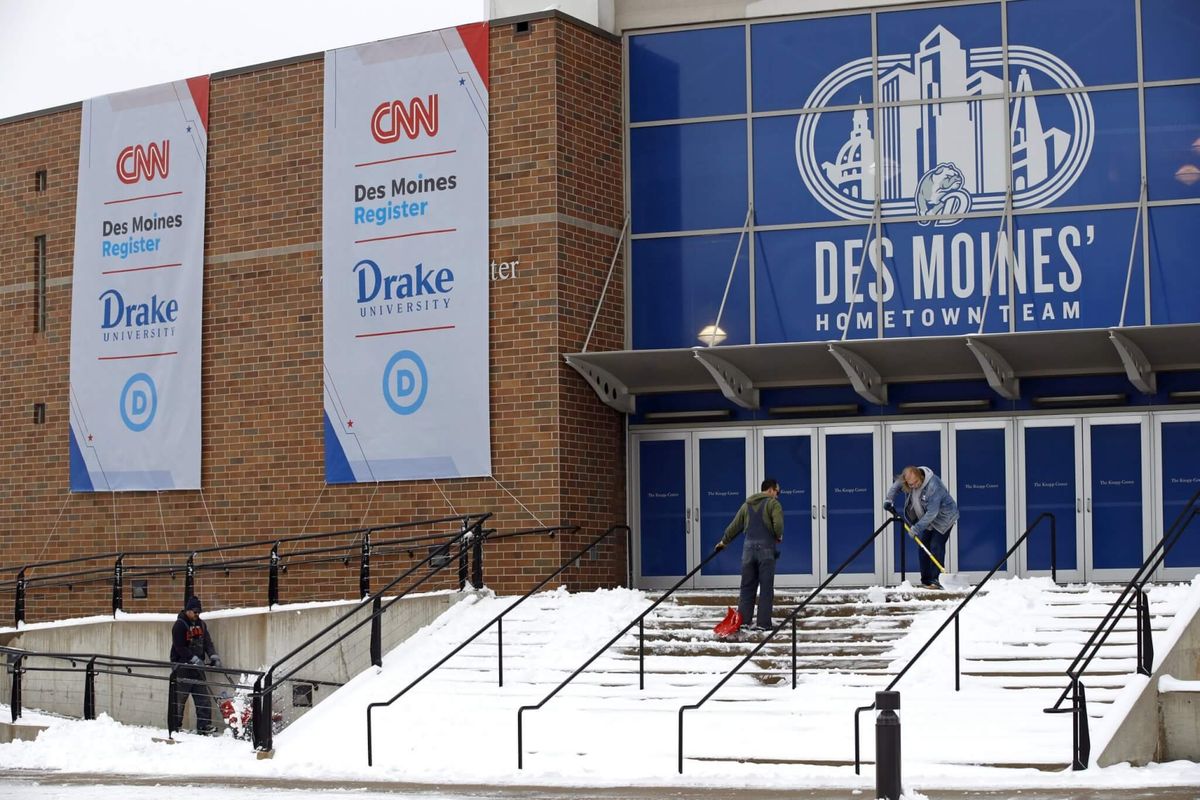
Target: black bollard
x=887, y=746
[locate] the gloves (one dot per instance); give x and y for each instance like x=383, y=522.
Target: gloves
x=214, y=660
x=889, y=508
x=195, y=661
x=719, y=547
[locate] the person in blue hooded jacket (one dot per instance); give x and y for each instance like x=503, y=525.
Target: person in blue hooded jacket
x=930, y=512
x=192, y=647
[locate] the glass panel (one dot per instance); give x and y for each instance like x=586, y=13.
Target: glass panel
x=696, y=73
x=1170, y=32
x=722, y=491
x=918, y=449
x=1076, y=149
x=1173, y=142
x=1101, y=47
x=1174, y=279
x=1116, y=489
x=811, y=63
x=1072, y=269
x=788, y=459
x=663, y=525
x=1180, y=480
x=944, y=275
x=677, y=286
x=940, y=53
x=1050, y=487
x=850, y=497
x=814, y=168
x=688, y=177
x=804, y=281
x=982, y=502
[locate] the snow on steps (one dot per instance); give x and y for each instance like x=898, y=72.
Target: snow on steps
x=1017, y=640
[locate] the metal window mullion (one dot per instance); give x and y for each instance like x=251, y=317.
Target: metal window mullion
x=750, y=182
x=877, y=179
x=1144, y=195
x=1009, y=205
x=626, y=312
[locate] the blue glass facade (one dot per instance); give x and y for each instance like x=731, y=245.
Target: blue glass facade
x=919, y=172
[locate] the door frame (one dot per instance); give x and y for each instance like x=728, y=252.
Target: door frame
x=892, y=564
x=1148, y=479
x=795, y=578
x=822, y=566
x=635, y=498
x=1159, y=530
x=1010, y=492
x=696, y=552
x=1022, y=513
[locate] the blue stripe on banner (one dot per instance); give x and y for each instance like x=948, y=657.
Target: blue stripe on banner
x=81, y=481
x=337, y=466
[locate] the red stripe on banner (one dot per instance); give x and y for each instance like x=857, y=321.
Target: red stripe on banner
x=139, y=269
x=199, y=89
x=475, y=39
x=410, y=330
x=143, y=197
x=406, y=158
x=404, y=235
x=140, y=355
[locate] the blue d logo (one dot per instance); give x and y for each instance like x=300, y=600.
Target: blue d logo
x=405, y=382
x=139, y=402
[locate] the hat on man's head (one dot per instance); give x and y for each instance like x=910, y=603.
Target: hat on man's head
x=193, y=604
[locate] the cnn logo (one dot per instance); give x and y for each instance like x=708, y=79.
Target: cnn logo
x=136, y=162
x=392, y=117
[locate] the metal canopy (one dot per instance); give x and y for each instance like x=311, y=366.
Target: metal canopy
x=1137, y=352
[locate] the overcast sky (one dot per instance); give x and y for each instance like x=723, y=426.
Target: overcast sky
x=54, y=52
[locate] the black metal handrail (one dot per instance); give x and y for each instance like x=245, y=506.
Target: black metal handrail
x=472, y=531
x=639, y=620
x=1134, y=591
x=93, y=664
x=790, y=618
x=954, y=616
x=497, y=620
x=120, y=572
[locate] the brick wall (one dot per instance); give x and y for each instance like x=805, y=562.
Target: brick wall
x=558, y=453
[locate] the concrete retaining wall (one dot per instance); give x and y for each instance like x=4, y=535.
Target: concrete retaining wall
x=249, y=640
x=1142, y=737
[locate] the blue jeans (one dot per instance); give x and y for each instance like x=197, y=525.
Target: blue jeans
x=936, y=542
x=758, y=574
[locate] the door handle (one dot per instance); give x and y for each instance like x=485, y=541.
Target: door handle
x=822, y=511
x=814, y=510
x=1078, y=505
x=687, y=515
x=1089, y=505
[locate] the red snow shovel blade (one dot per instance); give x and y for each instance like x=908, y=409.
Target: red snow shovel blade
x=730, y=625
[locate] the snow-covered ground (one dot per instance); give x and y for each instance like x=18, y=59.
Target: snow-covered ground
x=460, y=728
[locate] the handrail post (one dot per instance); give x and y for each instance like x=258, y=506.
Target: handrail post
x=14, y=699
x=377, y=632
x=89, y=689
x=1145, y=638
x=903, y=555
x=364, y=568
x=261, y=716
x=641, y=653
x=462, y=558
x=500, y=649
x=477, y=561
x=1081, y=738
x=189, y=578
x=19, y=602
x=174, y=707
x=957, y=658
x=793, y=652
x=273, y=576
x=1053, y=550
x=118, y=585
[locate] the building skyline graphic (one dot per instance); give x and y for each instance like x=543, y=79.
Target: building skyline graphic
x=968, y=133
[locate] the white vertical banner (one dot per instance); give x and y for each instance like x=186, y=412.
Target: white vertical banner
x=405, y=258
x=137, y=290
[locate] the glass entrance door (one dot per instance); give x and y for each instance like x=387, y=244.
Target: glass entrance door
x=1117, y=495
x=1178, y=441
x=789, y=456
x=1050, y=465
x=850, y=503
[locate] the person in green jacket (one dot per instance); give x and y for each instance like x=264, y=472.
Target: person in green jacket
x=761, y=518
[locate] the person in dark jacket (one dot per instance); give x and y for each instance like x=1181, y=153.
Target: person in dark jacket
x=192, y=646
x=930, y=512
x=761, y=519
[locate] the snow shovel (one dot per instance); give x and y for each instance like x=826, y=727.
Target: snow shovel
x=922, y=546
x=730, y=625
